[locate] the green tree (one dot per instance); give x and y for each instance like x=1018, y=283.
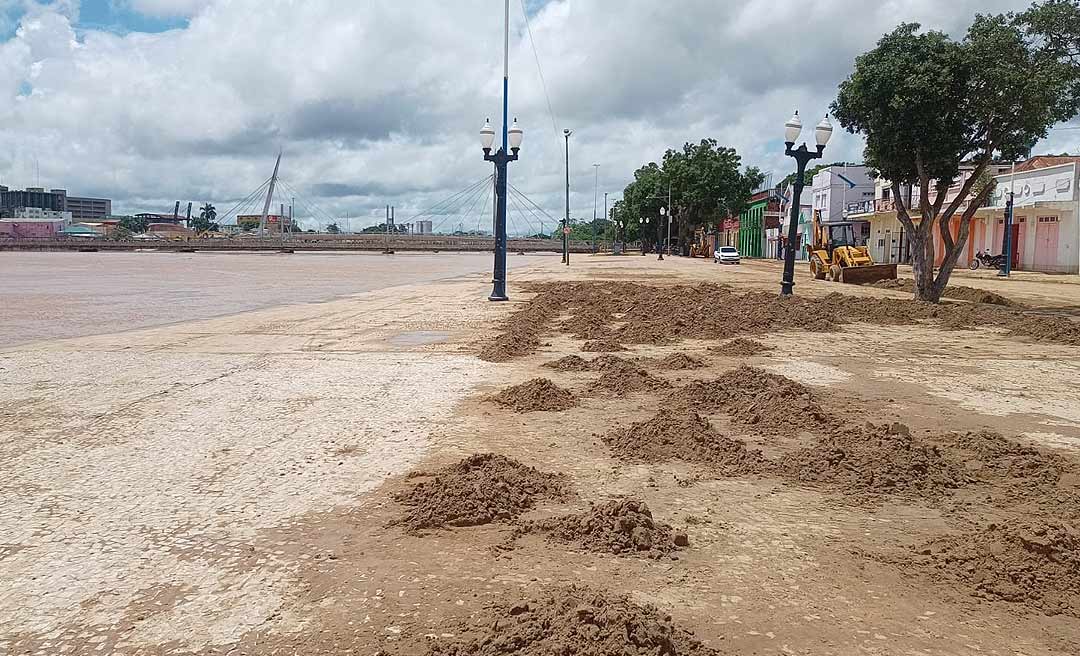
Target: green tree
x=133, y=225
x=926, y=104
x=333, y=229
x=705, y=181
x=205, y=222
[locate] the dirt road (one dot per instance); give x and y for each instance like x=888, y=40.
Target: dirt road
x=228, y=486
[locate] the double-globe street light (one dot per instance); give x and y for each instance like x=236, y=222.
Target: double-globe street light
x=802, y=156
x=660, y=233
x=511, y=139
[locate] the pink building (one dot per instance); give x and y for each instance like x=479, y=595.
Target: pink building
x=30, y=229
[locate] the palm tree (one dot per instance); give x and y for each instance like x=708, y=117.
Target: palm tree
x=208, y=212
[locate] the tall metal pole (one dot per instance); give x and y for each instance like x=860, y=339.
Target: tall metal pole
x=596, y=181
x=269, y=196
x=566, y=220
x=502, y=158
x=670, y=214
x=802, y=158
x=608, y=218
x=1006, y=240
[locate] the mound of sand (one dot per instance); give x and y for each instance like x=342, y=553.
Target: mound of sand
x=570, y=363
x=662, y=315
x=875, y=460
x=620, y=381
x=741, y=347
x=480, y=489
x=684, y=435
x=678, y=361
x=538, y=394
x=602, y=346
x=754, y=397
x=958, y=292
x=1035, y=564
x=1020, y=477
x=623, y=527
x=575, y=621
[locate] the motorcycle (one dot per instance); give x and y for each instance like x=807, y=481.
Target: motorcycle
x=987, y=260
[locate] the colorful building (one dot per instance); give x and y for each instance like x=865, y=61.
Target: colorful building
x=761, y=213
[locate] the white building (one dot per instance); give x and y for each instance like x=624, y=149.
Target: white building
x=1046, y=216
x=837, y=188
x=803, y=226
x=39, y=214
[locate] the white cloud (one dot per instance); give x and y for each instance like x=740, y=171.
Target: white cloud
x=381, y=101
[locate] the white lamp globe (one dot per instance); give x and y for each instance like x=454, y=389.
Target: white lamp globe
x=823, y=131
x=487, y=135
x=792, y=128
x=516, y=135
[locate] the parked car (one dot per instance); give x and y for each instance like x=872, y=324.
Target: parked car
x=726, y=255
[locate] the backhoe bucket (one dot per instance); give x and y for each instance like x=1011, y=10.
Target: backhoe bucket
x=861, y=275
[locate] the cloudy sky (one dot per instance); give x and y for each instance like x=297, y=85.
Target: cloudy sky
x=380, y=101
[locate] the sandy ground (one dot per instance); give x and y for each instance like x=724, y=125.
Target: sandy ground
x=223, y=485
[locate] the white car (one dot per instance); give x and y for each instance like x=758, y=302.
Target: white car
x=726, y=255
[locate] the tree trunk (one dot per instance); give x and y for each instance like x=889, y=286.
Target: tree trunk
x=922, y=265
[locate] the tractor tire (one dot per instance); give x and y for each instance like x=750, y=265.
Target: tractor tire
x=816, y=269
x=835, y=271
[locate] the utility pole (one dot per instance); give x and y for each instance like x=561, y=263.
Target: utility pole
x=606, y=216
x=1006, y=240
x=566, y=220
x=596, y=180
x=671, y=215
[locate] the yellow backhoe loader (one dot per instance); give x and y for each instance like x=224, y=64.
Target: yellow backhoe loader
x=835, y=254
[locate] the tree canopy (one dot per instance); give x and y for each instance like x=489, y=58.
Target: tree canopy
x=927, y=104
x=705, y=180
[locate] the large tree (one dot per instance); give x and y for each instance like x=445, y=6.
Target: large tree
x=928, y=105
x=705, y=181
x=205, y=222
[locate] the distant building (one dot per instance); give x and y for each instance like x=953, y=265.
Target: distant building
x=762, y=211
x=423, y=227
x=836, y=193
x=88, y=208
x=55, y=200
x=33, y=223
x=168, y=231
x=273, y=221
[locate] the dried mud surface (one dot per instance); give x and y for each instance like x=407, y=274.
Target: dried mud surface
x=755, y=398
x=661, y=315
x=536, y=395
x=480, y=489
x=623, y=527
x=1036, y=564
x=623, y=380
x=572, y=621
x=681, y=434
x=876, y=460
x=677, y=362
x=958, y=292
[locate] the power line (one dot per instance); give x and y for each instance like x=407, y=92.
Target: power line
x=540, y=71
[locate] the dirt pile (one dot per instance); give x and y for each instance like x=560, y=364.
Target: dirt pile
x=875, y=460
x=602, y=346
x=536, y=395
x=1019, y=476
x=570, y=363
x=662, y=315
x=958, y=292
x=623, y=527
x=573, y=620
x=480, y=489
x=621, y=381
x=678, y=362
x=1035, y=564
x=753, y=397
x=741, y=348
x=684, y=435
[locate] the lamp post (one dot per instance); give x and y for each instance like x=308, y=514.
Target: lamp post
x=660, y=233
x=642, y=222
x=501, y=158
x=566, y=220
x=802, y=156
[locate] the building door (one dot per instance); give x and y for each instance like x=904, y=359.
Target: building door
x=999, y=229
x=1019, y=227
x=1046, y=243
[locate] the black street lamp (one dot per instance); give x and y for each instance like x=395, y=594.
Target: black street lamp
x=802, y=156
x=660, y=234
x=500, y=158
x=642, y=222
